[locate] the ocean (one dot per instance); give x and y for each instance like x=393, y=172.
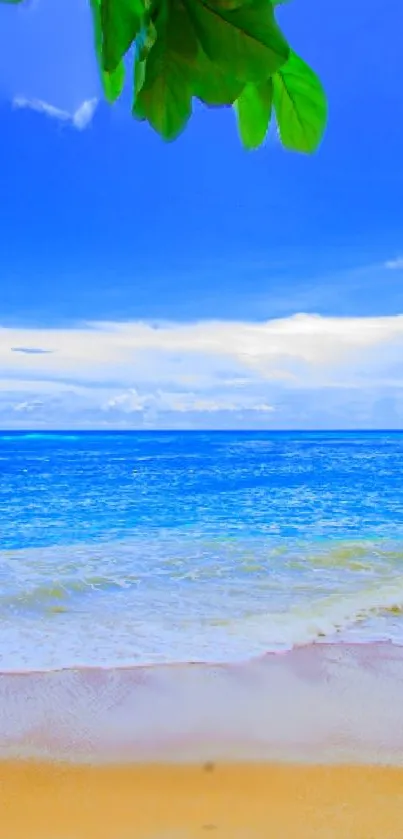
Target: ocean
x=129, y=548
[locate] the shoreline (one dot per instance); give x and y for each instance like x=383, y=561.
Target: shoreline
x=231, y=801
x=231, y=664
x=325, y=703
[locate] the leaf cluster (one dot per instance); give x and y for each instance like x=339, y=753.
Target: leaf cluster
x=220, y=52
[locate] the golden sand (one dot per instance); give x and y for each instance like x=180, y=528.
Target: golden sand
x=236, y=801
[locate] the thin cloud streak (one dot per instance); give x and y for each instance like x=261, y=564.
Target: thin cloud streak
x=79, y=119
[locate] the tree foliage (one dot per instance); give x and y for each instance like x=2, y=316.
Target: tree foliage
x=220, y=52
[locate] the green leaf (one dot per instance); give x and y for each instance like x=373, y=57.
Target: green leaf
x=211, y=85
x=229, y=5
x=96, y=21
x=112, y=83
x=165, y=95
x=245, y=42
x=300, y=105
x=253, y=109
x=165, y=98
x=139, y=76
x=120, y=22
x=145, y=41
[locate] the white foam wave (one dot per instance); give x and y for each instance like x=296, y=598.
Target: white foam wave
x=327, y=616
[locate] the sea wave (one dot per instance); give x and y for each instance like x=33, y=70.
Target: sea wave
x=171, y=599
x=327, y=617
x=187, y=633
x=55, y=595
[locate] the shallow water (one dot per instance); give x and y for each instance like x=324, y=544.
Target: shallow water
x=160, y=547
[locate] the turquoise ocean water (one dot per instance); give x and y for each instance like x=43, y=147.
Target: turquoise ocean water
x=145, y=547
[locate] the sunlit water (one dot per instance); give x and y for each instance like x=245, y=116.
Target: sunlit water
x=157, y=547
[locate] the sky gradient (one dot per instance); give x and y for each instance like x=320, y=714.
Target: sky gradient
x=194, y=284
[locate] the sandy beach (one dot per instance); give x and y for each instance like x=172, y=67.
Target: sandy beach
x=299, y=746
x=230, y=801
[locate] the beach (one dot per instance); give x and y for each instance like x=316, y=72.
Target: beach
x=201, y=634
x=230, y=801
x=305, y=744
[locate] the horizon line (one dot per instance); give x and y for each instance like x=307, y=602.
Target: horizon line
x=201, y=430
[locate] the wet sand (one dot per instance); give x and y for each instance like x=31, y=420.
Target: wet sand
x=229, y=801
x=318, y=704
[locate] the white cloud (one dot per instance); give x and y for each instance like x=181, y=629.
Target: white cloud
x=84, y=114
x=79, y=119
x=303, y=370
x=395, y=264
x=28, y=407
x=182, y=403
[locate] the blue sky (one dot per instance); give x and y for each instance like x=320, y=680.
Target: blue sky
x=104, y=228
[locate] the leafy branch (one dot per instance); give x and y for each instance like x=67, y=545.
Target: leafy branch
x=220, y=52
